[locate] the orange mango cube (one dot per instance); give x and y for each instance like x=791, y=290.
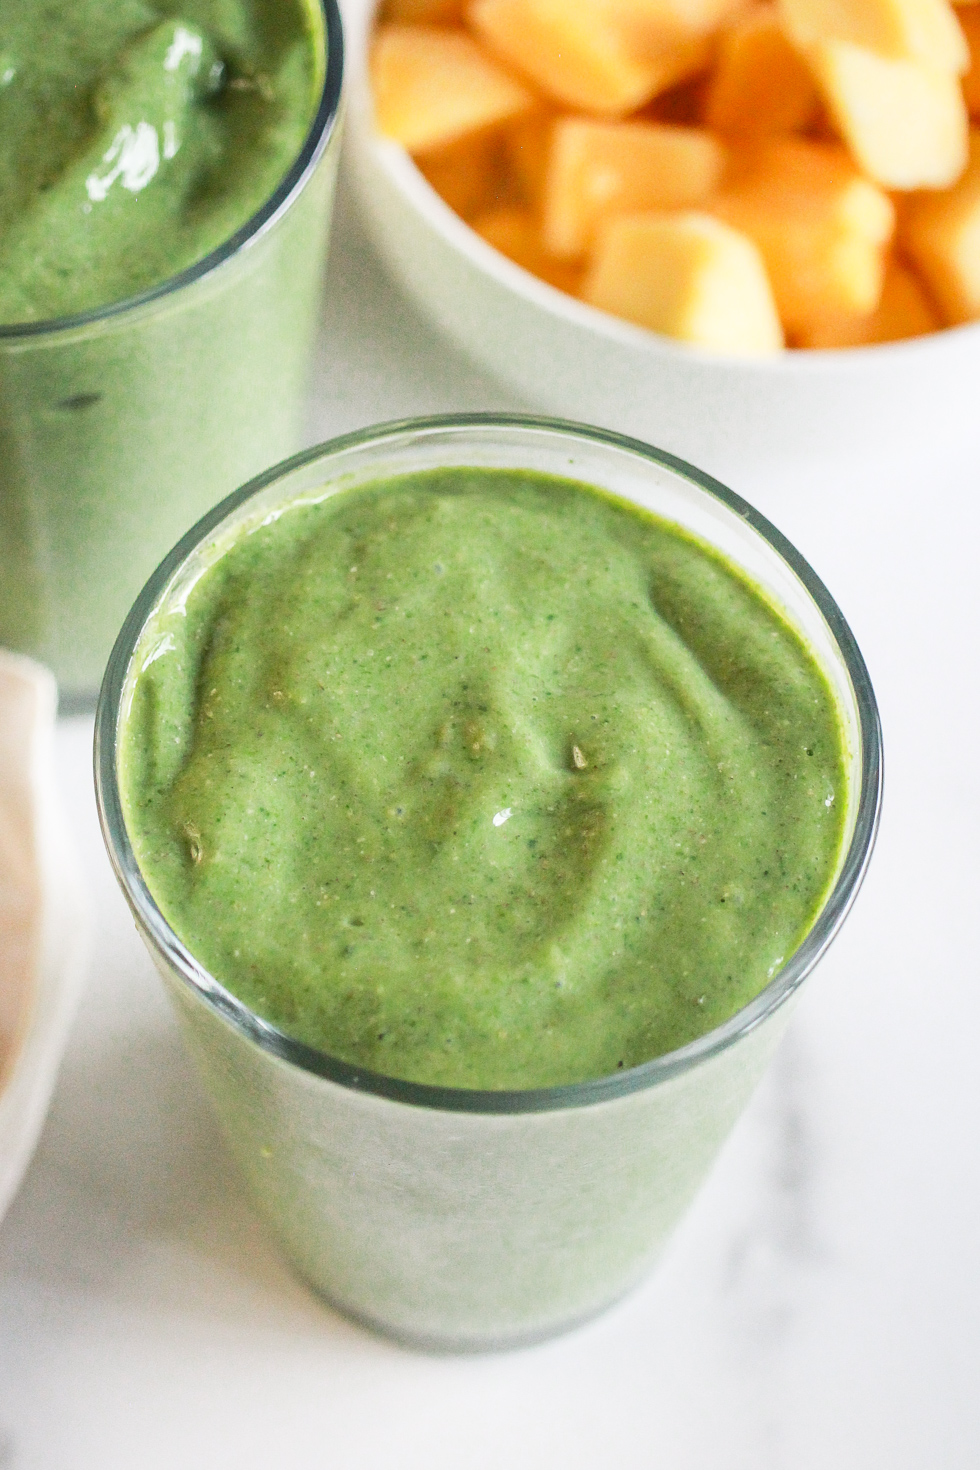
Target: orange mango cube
x=902, y=30
x=433, y=86
x=970, y=21
x=471, y=175
x=600, y=169
x=650, y=24
x=941, y=235
x=904, y=122
x=760, y=84
x=527, y=144
x=688, y=276
x=588, y=54
x=514, y=232
x=903, y=311
x=423, y=12
x=822, y=229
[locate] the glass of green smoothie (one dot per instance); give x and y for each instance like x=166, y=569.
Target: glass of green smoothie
x=166, y=177
x=484, y=789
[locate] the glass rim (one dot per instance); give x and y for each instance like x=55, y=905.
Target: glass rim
x=472, y=1100
x=288, y=189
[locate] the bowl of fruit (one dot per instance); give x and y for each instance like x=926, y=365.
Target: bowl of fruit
x=747, y=232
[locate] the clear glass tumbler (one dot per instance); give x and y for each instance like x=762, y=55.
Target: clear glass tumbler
x=120, y=427
x=462, y=1219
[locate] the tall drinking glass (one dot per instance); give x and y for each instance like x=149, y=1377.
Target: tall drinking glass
x=457, y=1218
x=120, y=427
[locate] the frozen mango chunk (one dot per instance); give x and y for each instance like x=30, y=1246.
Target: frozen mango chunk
x=941, y=235
x=970, y=21
x=515, y=233
x=471, y=174
x=683, y=104
x=527, y=144
x=433, y=85
x=905, y=122
x=822, y=228
x=903, y=311
x=688, y=276
x=902, y=30
x=760, y=84
x=651, y=23
x=600, y=169
x=587, y=54
x=423, y=12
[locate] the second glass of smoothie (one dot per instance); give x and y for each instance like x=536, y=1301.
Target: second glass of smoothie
x=163, y=231
x=484, y=790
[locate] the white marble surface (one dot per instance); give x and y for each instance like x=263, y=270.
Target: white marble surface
x=820, y=1306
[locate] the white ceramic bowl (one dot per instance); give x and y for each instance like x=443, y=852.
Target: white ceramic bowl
x=44, y=920
x=751, y=422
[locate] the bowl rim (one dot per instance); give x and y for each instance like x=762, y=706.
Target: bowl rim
x=404, y=175
x=162, y=939
x=290, y=186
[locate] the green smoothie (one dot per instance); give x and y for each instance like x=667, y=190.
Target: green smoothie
x=482, y=778
x=136, y=138
x=137, y=141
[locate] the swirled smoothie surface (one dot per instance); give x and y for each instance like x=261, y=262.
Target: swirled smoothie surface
x=483, y=778
x=136, y=137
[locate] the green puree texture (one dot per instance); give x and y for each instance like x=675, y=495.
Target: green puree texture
x=483, y=778
x=136, y=137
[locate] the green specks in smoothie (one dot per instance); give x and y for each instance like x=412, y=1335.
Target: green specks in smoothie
x=541, y=814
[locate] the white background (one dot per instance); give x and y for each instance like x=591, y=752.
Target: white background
x=818, y=1310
